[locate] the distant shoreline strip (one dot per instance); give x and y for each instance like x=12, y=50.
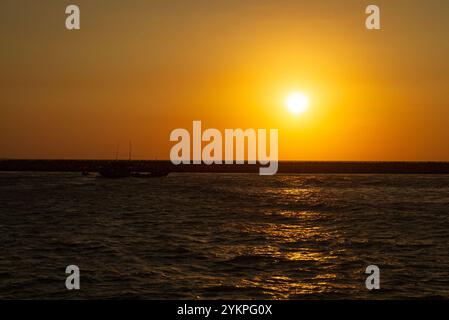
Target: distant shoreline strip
x=285, y=167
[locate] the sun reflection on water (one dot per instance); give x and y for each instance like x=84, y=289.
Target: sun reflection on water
x=292, y=244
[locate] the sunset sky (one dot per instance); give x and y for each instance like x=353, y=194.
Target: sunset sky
x=139, y=69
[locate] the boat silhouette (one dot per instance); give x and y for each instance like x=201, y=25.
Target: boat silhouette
x=123, y=169
x=116, y=169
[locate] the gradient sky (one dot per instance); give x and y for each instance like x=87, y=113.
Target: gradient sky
x=139, y=69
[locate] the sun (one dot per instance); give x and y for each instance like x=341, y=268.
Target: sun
x=297, y=103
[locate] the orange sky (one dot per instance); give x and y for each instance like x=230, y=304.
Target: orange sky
x=139, y=69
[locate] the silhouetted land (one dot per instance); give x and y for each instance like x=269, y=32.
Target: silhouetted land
x=284, y=166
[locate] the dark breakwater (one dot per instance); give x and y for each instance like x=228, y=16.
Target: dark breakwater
x=284, y=167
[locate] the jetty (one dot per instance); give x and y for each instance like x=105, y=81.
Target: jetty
x=285, y=167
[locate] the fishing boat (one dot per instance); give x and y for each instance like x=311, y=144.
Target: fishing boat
x=116, y=169
x=123, y=169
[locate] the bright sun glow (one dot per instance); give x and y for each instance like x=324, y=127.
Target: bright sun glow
x=297, y=103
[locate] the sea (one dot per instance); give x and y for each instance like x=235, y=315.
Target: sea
x=224, y=236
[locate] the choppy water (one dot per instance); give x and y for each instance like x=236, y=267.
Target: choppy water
x=224, y=236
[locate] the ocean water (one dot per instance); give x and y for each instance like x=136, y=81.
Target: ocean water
x=224, y=236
